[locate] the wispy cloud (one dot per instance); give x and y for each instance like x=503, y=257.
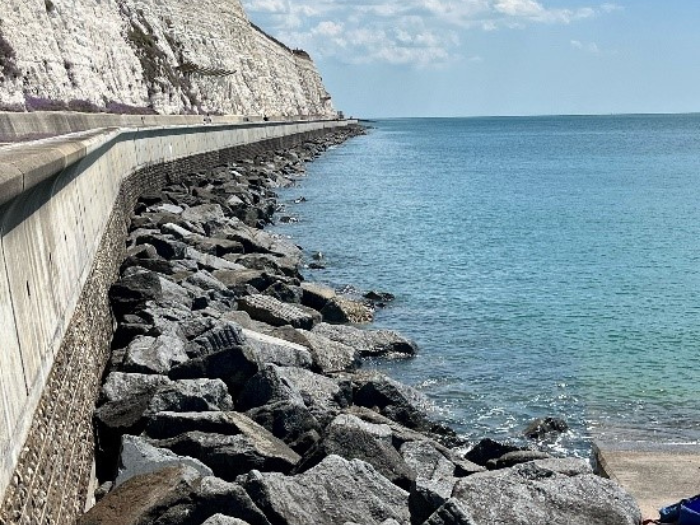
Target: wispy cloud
x=422, y=33
x=591, y=47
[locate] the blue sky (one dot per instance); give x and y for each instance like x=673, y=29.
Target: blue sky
x=393, y=58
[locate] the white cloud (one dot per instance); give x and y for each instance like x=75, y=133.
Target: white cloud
x=591, y=47
x=418, y=32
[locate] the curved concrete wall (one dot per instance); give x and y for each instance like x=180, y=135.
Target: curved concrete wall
x=56, y=200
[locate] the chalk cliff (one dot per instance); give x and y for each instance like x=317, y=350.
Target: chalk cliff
x=174, y=56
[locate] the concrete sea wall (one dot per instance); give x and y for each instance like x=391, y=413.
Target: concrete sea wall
x=63, y=215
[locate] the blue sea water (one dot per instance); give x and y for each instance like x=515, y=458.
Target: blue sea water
x=546, y=266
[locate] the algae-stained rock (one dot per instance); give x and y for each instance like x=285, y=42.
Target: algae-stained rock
x=352, y=438
x=370, y=343
x=138, y=457
x=543, y=427
x=334, y=492
x=230, y=456
x=544, y=492
x=316, y=295
x=143, y=499
x=340, y=310
x=328, y=355
x=278, y=351
x=269, y=310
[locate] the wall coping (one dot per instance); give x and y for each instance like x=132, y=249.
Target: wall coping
x=24, y=165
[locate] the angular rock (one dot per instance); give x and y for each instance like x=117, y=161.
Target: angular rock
x=211, y=262
x=214, y=495
x=278, y=351
x=143, y=499
x=352, y=438
x=539, y=492
x=120, y=385
x=334, y=492
x=271, y=311
x=223, y=335
x=324, y=396
x=316, y=295
x=204, y=281
x=328, y=355
x=190, y=396
x=393, y=399
x=236, y=278
x=488, y=449
x=204, y=213
x=427, y=495
x=288, y=420
x=284, y=292
x=235, y=366
x=340, y=310
x=451, y=513
x=271, y=264
x=230, y=456
x=138, y=457
x=540, y=428
x=151, y=355
x=220, y=519
x=514, y=458
x=370, y=343
x=426, y=460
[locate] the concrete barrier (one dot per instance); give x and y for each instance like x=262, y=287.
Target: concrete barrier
x=60, y=206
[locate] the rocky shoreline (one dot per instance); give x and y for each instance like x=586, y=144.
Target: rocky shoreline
x=235, y=392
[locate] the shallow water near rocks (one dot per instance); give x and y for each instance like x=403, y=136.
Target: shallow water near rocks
x=546, y=266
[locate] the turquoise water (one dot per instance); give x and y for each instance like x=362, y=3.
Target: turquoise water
x=546, y=266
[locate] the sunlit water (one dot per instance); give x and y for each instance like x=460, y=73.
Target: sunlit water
x=546, y=266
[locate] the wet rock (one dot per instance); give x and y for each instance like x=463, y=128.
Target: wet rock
x=549, y=426
x=271, y=311
x=230, y=456
x=328, y=355
x=336, y=491
x=370, y=343
x=340, y=310
x=138, y=456
x=278, y=351
x=235, y=366
x=514, y=458
x=154, y=355
x=392, y=399
x=488, y=449
x=541, y=492
x=352, y=438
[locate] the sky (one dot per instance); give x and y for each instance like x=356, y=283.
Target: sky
x=443, y=58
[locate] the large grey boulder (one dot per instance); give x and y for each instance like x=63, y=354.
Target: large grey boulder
x=220, y=519
x=165, y=425
x=143, y=499
x=230, y=456
x=203, y=214
x=452, y=512
x=393, y=399
x=328, y=355
x=133, y=291
x=121, y=385
x=322, y=395
x=271, y=311
x=154, y=355
x=214, y=495
x=190, y=395
x=556, y=492
x=351, y=438
x=233, y=279
x=211, y=262
x=278, y=351
x=315, y=295
x=290, y=421
x=138, y=456
x=370, y=343
x=334, y=492
x=235, y=366
x=222, y=336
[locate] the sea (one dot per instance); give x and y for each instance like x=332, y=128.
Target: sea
x=546, y=266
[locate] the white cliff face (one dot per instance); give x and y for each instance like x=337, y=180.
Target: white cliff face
x=176, y=56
